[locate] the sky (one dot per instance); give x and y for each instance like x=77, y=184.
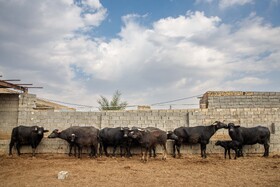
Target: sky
x=152, y=51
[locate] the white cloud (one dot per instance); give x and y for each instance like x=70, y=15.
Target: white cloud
x=229, y=3
x=94, y=4
x=182, y=26
x=247, y=83
x=224, y=4
x=174, y=58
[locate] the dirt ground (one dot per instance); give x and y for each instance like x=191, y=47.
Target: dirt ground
x=191, y=170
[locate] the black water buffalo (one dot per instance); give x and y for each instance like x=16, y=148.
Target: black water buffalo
x=86, y=137
x=172, y=136
x=149, y=139
x=195, y=135
x=24, y=135
x=227, y=145
x=250, y=136
x=65, y=135
x=114, y=137
x=135, y=143
x=90, y=134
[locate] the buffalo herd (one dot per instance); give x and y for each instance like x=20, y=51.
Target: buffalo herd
x=145, y=138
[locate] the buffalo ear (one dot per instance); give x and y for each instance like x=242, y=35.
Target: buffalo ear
x=46, y=130
x=56, y=131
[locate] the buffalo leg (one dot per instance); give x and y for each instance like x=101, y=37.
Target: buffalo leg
x=75, y=150
x=229, y=154
x=143, y=151
x=18, y=148
x=122, y=150
x=100, y=149
x=95, y=148
x=70, y=149
x=128, y=153
x=33, y=151
x=266, y=150
x=114, y=150
x=240, y=152
x=11, y=146
x=236, y=152
x=164, y=152
x=176, y=146
x=92, y=151
x=178, y=150
x=105, y=150
x=203, y=150
x=71, y=145
x=152, y=152
x=79, y=151
x=225, y=153
x=146, y=154
x=174, y=150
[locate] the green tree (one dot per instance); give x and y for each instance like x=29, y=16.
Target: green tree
x=115, y=104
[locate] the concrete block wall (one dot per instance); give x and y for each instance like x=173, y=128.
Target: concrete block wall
x=245, y=117
x=240, y=99
x=8, y=112
x=61, y=120
x=163, y=119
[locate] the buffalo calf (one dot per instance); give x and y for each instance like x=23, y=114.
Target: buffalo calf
x=227, y=145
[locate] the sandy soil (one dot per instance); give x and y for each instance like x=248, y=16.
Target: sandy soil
x=191, y=170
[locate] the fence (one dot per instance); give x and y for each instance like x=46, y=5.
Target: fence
x=163, y=119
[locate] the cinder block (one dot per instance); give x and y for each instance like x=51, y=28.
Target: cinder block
x=62, y=175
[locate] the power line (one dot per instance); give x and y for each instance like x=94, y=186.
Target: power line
x=171, y=101
x=72, y=104
x=79, y=105
x=183, y=104
x=154, y=104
